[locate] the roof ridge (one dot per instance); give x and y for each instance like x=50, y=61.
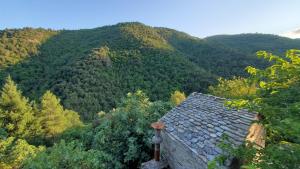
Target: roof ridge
x=208, y=95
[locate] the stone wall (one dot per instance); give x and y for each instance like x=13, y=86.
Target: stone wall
x=178, y=155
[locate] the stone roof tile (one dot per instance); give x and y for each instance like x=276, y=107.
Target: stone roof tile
x=201, y=120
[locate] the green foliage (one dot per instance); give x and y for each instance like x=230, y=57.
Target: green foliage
x=277, y=99
x=17, y=115
x=146, y=36
x=282, y=155
x=214, y=57
x=22, y=121
x=278, y=96
x=54, y=119
x=177, y=97
x=250, y=43
x=236, y=88
x=83, y=134
x=70, y=156
x=51, y=115
x=14, y=151
x=120, y=140
x=240, y=154
x=72, y=118
x=125, y=132
x=18, y=44
x=212, y=164
x=91, y=70
x=102, y=54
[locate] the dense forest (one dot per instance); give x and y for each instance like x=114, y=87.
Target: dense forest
x=44, y=134
x=85, y=98
x=90, y=70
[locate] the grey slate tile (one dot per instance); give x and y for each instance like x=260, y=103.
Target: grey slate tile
x=201, y=120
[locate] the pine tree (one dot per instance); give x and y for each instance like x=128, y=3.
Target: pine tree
x=53, y=118
x=14, y=151
x=51, y=115
x=72, y=117
x=17, y=113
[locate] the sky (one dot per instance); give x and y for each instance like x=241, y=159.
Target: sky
x=199, y=18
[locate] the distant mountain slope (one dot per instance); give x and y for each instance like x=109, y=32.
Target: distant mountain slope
x=214, y=57
x=251, y=43
x=91, y=69
x=16, y=45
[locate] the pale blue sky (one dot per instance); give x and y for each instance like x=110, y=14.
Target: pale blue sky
x=197, y=17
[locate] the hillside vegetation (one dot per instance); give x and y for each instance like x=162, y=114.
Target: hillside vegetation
x=252, y=42
x=273, y=92
x=91, y=69
x=16, y=45
x=86, y=98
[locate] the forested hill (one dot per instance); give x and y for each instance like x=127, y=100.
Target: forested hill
x=252, y=42
x=91, y=69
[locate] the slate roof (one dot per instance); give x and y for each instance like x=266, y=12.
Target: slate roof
x=200, y=121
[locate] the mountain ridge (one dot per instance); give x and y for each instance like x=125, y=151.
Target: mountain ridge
x=92, y=69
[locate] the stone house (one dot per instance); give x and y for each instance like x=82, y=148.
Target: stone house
x=195, y=127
